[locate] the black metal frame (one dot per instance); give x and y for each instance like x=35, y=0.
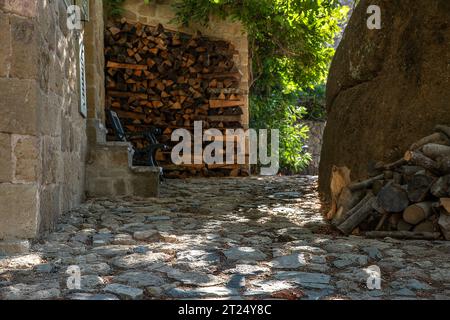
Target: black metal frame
x=147, y=153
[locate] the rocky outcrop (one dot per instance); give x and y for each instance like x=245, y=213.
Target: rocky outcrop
x=386, y=87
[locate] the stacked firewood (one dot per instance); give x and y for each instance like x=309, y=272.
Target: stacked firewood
x=166, y=79
x=409, y=198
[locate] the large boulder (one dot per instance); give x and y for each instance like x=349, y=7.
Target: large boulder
x=387, y=87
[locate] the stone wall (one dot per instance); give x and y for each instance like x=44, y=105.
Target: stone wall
x=314, y=143
x=42, y=133
x=161, y=12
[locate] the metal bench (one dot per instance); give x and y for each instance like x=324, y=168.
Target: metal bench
x=145, y=156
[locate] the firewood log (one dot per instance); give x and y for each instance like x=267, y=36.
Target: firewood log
x=393, y=198
x=365, y=184
x=349, y=199
x=435, y=151
x=358, y=217
x=418, y=212
x=403, y=235
x=345, y=215
x=445, y=204
x=434, y=138
x=419, y=186
x=419, y=159
x=340, y=178
x=441, y=188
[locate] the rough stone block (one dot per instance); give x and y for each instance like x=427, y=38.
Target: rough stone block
x=5, y=158
x=26, y=154
x=120, y=187
x=25, y=50
x=50, y=159
x=13, y=247
x=26, y=8
x=49, y=207
x=5, y=48
x=18, y=106
x=100, y=187
x=18, y=211
x=145, y=182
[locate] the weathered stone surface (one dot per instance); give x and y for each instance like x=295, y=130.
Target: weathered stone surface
x=134, y=261
x=197, y=266
x=21, y=291
x=195, y=278
x=24, y=57
x=90, y=282
x=21, y=219
x=92, y=297
x=264, y=287
x=244, y=254
x=293, y=261
x=26, y=8
x=5, y=50
x=311, y=280
x=145, y=235
x=6, y=168
x=124, y=292
x=11, y=247
x=380, y=82
x=140, y=279
x=211, y=292
x=18, y=105
x=26, y=153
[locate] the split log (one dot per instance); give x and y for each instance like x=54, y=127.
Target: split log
x=445, y=204
x=358, y=217
x=418, y=187
x=345, y=215
x=410, y=170
x=383, y=219
x=403, y=235
x=365, y=184
x=349, y=199
x=393, y=198
x=377, y=186
x=434, y=151
x=418, y=212
x=418, y=159
x=340, y=178
x=425, y=226
x=441, y=188
x=390, y=166
x=434, y=138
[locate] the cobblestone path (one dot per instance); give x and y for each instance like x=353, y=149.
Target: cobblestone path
x=246, y=238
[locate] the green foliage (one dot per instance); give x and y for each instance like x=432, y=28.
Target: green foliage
x=313, y=100
x=280, y=111
x=113, y=8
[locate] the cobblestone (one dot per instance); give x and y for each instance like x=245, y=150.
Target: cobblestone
x=240, y=238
